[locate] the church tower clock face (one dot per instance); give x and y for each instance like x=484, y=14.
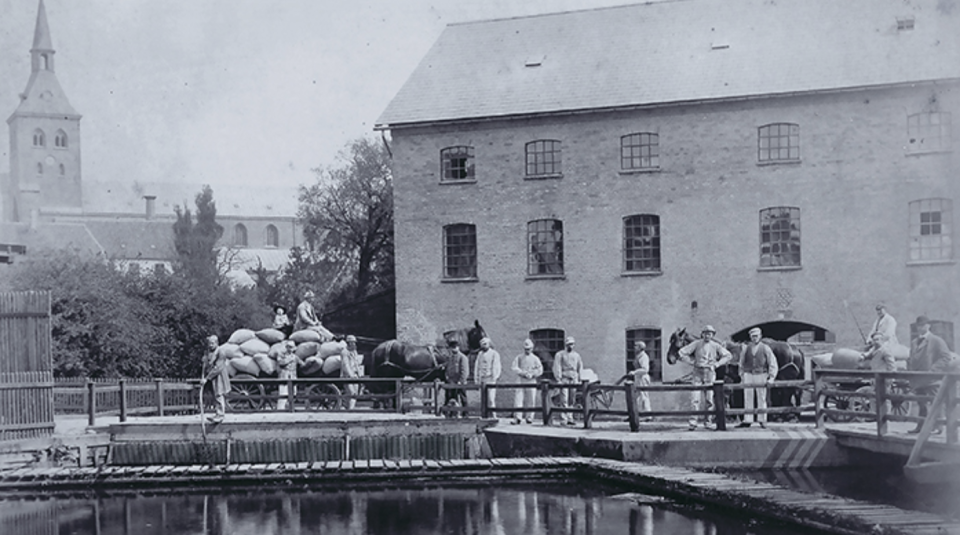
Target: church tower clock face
x=50, y=160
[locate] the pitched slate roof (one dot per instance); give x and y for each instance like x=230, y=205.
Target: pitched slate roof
x=268, y=200
x=675, y=51
x=126, y=239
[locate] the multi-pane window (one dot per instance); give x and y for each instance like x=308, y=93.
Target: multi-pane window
x=60, y=140
x=778, y=142
x=545, y=247
x=543, y=157
x=927, y=132
x=931, y=222
x=460, y=251
x=780, y=237
x=457, y=164
x=240, y=235
x=39, y=139
x=273, y=236
x=641, y=243
x=654, y=342
x=546, y=343
x=640, y=151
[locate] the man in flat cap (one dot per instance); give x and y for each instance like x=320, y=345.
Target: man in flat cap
x=706, y=355
x=758, y=366
x=567, y=368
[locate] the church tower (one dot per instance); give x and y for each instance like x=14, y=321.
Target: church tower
x=44, y=141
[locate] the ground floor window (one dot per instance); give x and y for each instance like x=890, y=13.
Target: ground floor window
x=546, y=343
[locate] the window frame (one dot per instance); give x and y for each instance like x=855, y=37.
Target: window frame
x=654, y=348
x=60, y=139
x=240, y=235
x=637, y=150
x=920, y=241
x=792, y=136
x=271, y=236
x=463, y=154
x=546, y=343
x=767, y=258
x=449, y=232
x=918, y=129
x=536, y=154
x=549, y=268
x=39, y=138
x=655, y=247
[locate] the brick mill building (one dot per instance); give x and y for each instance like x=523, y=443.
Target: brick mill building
x=617, y=173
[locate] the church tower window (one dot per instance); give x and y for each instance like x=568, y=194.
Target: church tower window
x=60, y=140
x=39, y=168
x=39, y=139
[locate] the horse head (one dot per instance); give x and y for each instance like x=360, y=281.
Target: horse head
x=468, y=338
x=678, y=339
x=474, y=335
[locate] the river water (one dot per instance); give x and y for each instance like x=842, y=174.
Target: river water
x=522, y=509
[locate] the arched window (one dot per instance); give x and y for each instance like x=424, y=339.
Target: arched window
x=60, y=140
x=45, y=62
x=39, y=168
x=543, y=158
x=545, y=247
x=780, y=237
x=457, y=164
x=273, y=236
x=546, y=343
x=641, y=243
x=63, y=170
x=39, y=139
x=460, y=251
x=931, y=225
x=778, y=142
x=640, y=151
x=240, y=235
x=654, y=341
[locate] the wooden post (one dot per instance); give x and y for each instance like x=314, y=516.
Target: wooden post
x=817, y=401
x=484, y=401
x=398, y=395
x=159, y=397
x=950, y=409
x=545, y=401
x=291, y=394
x=123, y=399
x=91, y=403
x=880, y=387
x=632, y=416
x=585, y=396
x=436, y=397
x=719, y=406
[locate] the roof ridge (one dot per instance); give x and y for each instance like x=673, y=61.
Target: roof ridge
x=567, y=12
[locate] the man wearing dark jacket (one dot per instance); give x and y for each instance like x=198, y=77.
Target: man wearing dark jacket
x=925, y=352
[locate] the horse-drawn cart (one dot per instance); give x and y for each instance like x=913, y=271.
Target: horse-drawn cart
x=841, y=396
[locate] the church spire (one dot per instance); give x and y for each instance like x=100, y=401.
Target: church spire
x=42, y=52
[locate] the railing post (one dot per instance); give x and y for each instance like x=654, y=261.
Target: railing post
x=123, y=399
x=398, y=395
x=159, y=397
x=436, y=397
x=632, y=416
x=880, y=398
x=545, y=401
x=484, y=401
x=585, y=396
x=719, y=406
x=291, y=394
x=817, y=401
x=950, y=409
x=91, y=403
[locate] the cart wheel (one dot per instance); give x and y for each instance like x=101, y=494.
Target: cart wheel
x=322, y=396
x=840, y=403
x=864, y=405
x=601, y=399
x=900, y=407
x=245, y=396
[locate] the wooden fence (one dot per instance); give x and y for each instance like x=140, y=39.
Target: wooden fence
x=26, y=366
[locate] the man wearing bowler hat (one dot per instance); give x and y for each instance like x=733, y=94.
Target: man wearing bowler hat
x=925, y=352
x=706, y=355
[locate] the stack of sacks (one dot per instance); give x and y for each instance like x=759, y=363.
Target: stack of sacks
x=255, y=353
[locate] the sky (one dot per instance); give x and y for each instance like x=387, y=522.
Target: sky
x=231, y=92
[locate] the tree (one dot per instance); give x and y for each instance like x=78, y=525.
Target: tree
x=196, y=243
x=347, y=214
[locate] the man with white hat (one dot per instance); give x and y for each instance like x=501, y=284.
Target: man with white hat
x=705, y=354
x=528, y=368
x=350, y=362
x=486, y=370
x=567, y=368
x=758, y=366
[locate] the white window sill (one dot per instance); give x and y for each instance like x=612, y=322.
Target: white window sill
x=645, y=171
x=641, y=273
x=768, y=163
x=458, y=280
x=779, y=268
x=457, y=182
x=545, y=277
x=942, y=262
x=543, y=177
x=925, y=152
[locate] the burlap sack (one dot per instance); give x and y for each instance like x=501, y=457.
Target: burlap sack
x=270, y=336
x=267, y=365
x=305, y=335
x=307, y=349
x=240, y=336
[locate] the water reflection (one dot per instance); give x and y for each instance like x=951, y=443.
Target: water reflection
x=545, y=510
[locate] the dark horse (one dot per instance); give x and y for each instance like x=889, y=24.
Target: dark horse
x=396, y=359
x=789, y=362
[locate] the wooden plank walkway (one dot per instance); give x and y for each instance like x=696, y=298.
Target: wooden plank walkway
x=831, y=514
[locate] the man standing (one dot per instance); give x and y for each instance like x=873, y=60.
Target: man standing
x=487, y=369
x=758, y=366
x=925, y=352
x=287, y=362
x=641, y=374
x=885, y=325
x=528, y=368
x=705, y=354
x=567, y=368
x=307, y=317
x=350, y=361
x=215, y=369
x=457, y=370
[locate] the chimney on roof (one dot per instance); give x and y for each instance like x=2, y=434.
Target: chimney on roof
x=151, y=205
